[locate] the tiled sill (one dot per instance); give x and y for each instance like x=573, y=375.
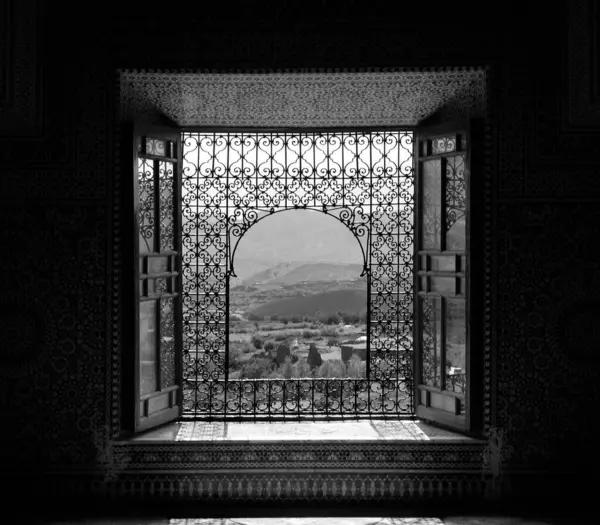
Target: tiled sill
x=290, y=431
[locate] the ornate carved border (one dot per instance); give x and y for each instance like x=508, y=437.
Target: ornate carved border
x=273, y=487
x=489, y=183
x=116, y=275
x=295, y=98
x=115, y=279
x=306, y=455
x=304, y=486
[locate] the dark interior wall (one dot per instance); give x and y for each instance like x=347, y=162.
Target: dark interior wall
x=57, y=118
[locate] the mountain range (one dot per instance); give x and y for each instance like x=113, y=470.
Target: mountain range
x=296, y=272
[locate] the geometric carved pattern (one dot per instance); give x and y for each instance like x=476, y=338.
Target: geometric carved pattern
x=307, y=455
x=547, y=309
x=577, y=330
x=53, y=370
x=304, y=487
x=490, y=181
x=307, y=99
x=274, y=487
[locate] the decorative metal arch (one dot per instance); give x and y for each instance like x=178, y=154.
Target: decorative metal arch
x=231, y=181
x=359, y=231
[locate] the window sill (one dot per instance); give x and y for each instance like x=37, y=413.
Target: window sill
x=227, y=449
x=292, y=431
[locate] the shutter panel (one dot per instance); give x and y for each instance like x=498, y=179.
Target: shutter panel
x=442, y=328
x=157, y=337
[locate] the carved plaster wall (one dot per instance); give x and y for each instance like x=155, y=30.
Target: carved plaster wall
x=60, y=208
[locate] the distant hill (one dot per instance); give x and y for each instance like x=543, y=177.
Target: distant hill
x=350, y=301
x=292, y=273
x=295, y=235
x=322, y=272
x=273, y=273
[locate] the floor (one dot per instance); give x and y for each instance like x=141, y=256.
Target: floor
x=366, y=430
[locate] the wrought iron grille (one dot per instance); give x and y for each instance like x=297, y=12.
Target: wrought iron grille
x=230, y=182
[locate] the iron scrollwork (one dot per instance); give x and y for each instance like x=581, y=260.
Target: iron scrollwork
x=146, y=205
x=230, y=182
x=456, y=202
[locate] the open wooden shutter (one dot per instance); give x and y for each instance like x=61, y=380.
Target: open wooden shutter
x=157, y=183
x=442, y=226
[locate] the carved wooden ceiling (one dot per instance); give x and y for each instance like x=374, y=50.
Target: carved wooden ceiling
x=295, y=99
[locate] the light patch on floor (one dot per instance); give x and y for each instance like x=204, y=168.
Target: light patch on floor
x=310, y=521
x=313, y=430
x=446, y=520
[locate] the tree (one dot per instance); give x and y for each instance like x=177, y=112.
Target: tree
x=287, y=370
x=269, y=345
x=333, y=368
x=355, y=367
x=351, y=318
x=301, y=369
x=283, y=352
x=255, y=368
x=235, y=353
x=257, y=342
x=329, y=331
x=322, y=370
x=314, y=358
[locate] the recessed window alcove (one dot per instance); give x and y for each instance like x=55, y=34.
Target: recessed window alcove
x=296, y=102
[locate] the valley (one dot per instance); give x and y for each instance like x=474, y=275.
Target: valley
x=290, y=321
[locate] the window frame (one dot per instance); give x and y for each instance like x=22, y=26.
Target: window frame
x=474, y=282
x=474, y=275
x=313, y=131
x=164, y=405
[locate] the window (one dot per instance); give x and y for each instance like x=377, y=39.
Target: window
x=157, y=342
x=442, y=283
x=404, y=194
x=230, y=182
